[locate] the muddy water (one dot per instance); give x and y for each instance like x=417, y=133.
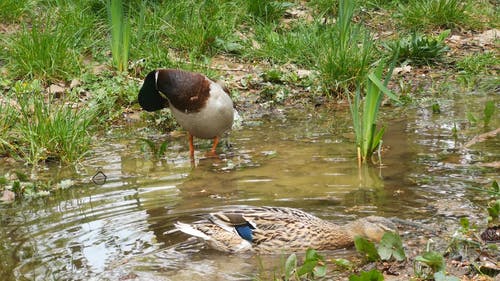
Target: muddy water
x=304, y=159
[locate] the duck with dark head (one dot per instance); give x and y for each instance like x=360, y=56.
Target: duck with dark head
x=200, y=105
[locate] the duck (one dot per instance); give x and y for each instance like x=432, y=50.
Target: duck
x=271, y=230
x=201, y=106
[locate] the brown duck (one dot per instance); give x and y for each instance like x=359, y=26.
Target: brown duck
x=278, y=229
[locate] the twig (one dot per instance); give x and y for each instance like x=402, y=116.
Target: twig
x=481, y=138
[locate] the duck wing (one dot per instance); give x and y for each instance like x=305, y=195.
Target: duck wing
x=186, y=91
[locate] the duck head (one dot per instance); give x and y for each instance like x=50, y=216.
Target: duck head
x=150, y=98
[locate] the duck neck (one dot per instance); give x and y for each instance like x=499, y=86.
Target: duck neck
x=334, y=237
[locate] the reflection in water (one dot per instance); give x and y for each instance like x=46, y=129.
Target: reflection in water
x=116, y=230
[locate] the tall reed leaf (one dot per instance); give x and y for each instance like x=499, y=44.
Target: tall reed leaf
x=364, y=116
x=120, y=34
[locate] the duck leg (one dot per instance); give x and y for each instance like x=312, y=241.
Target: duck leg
x=191, y=146
x=214, y=146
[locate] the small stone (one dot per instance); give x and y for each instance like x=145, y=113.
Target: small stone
x=8, y=196
x=75, y=83
x=402, y=70
x=56, y=89
x=303, y=73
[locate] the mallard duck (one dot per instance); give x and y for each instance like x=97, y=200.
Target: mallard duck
x=199, y=105
x=278, y=229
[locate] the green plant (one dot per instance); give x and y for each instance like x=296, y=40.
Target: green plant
x=431, y=264
x=157, y=151
x=431, y=14
x=493, y=211
x=367, y=248
x=8, y=120
x=44, y=52
x=478, y=70
x=48, y=130
x=110, y=93
x=299, y=44
x=389, y=247
x=324, y=7
x=203, y=27
x=12, y=10
x=489, y=110
x=120, y=34
x=372, y=275
x=347, y=51
x=313, y=266
x=364, y=116
x=493, y=207
x=162, y=120
x=478, y=63
x=419, y=49
x=267, y=11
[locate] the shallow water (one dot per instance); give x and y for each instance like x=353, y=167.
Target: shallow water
x=304, y=159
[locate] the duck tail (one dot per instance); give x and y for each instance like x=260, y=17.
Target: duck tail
x=189, y=229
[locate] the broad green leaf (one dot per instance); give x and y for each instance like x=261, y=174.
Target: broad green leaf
x=290, y=265
x=311, y=254
x=319, y=271
x=343, y=263
x=495, y=186
x=436, y=108
x=366, y=247
x=432, y=259
x=372, y=275
x=494, y=209
x=391, y=246
x=440, y=276
x=307, y=267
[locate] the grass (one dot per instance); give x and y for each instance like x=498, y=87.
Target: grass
x=201, y=27
x=47, y=130
x=44, y=53
x=347, y=51
x=431, y=14
x=37, y=128
x=298, y=44
x=8, y=120
x=266, y=11
x=476, y=64
x=479, y=70
x=13, y=10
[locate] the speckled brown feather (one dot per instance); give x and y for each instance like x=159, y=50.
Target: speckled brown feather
x=278, y=229
x=186, y=91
